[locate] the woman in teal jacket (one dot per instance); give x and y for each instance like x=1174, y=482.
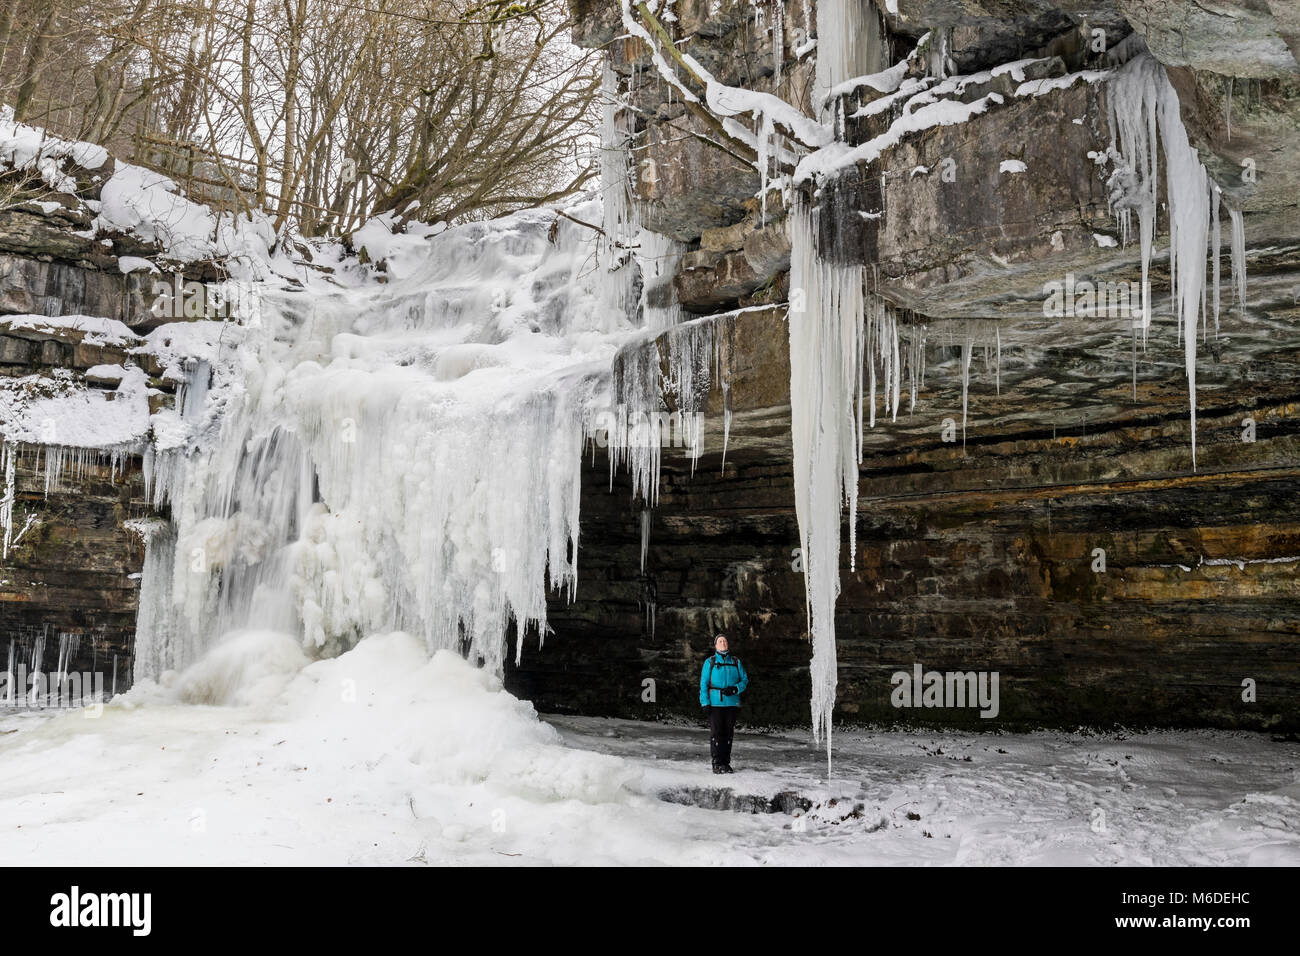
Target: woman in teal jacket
x=722, y=681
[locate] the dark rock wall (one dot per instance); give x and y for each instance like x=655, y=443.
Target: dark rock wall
x=979, y=561
x=76, y=570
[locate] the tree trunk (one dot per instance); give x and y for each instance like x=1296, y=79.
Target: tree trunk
x=35, y=61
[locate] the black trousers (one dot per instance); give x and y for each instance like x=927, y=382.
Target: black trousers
x=722, y=724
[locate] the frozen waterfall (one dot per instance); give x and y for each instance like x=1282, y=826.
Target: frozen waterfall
x=389, y=455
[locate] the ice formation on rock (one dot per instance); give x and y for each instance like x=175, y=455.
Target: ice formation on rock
x=677, y=367
x=659, y=258
x=849, y=44
x=1144, y=114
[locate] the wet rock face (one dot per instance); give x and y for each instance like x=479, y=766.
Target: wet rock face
x=1247, y=133
x=969, y=220
x=37, y=286
x=686, y=184
x=73, y=569
x=986, y=33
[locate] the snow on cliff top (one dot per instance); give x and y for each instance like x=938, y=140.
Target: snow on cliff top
x=30, y=147
x=95, y=330
x=135, y=200
x=149, y=205
x=60, y=410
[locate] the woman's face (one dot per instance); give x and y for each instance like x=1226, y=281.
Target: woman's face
x=720, y=644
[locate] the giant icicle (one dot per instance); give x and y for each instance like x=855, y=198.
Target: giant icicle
x=826, y=357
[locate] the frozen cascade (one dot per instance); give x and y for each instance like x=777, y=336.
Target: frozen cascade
x=68, y=645
x=617, y=251
x=882, y=348
x=359, y=469
x=632, y=427
x=916, y=363
x=7, y=496
x=1238, y=258
x=645, y=536
x=997, y=367
x=618, y=210
x=827, y=348
x=778, y=36
x=967, y=346
x=161, y=645
x=849, y=44
x=1216, y=242
x=1144, y=112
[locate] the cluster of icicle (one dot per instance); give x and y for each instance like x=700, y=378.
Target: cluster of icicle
x=1144, y=114
x=695, y=357
x=54, y=463
x=890, y=356
x=639, y=426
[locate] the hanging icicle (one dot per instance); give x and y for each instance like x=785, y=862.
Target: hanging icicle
x=1144, y=115
x=827, y=343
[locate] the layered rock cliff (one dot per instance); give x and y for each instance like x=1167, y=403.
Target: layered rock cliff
x=81, y=289
x=1028, y=502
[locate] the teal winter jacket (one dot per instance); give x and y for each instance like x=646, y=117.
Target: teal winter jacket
x=719, y=671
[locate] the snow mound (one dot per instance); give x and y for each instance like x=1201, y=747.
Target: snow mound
x=451, y=719
x=248, y=667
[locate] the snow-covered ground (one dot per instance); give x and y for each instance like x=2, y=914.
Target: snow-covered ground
x=385, y=756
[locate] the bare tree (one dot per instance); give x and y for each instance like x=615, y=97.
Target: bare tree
x=320, y=113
